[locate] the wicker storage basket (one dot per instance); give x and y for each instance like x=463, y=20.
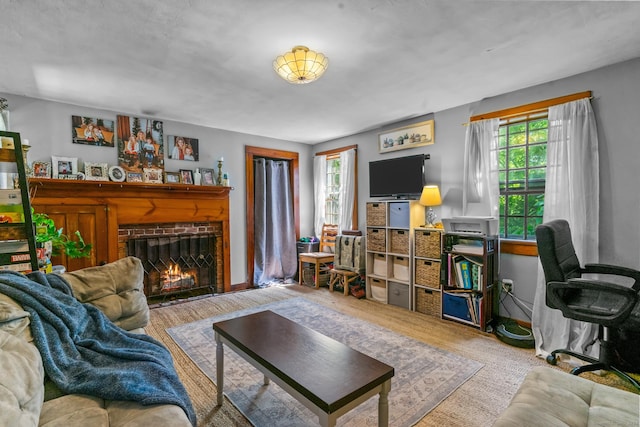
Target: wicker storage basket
x=376, y=240
x=428, y=301
x=400, y=268
x=427, y=244
x=377, y=290
x=399, y=241
x=376, y=214
x=428, y=273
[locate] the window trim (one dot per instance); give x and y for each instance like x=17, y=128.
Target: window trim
x=336, y=153
x=525, y=247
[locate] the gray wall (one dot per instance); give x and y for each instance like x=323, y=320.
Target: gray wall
x=616, y=92
x=616, y=102
x=47, y=126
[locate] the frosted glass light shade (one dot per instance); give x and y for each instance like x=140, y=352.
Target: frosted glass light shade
x=301, y=65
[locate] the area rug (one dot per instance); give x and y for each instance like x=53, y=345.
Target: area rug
x=424, y=375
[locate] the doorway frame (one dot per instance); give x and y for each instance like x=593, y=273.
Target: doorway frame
x=252, y=153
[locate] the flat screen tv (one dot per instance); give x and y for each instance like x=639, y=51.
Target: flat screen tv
x=400, y=178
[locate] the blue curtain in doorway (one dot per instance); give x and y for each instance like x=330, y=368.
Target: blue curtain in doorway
x=275, y=259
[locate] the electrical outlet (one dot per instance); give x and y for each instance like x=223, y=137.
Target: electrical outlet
x=507, y=285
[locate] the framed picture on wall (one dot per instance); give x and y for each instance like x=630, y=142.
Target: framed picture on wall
x=182, y=148
x=92, y=131
x=140, y=144
x=411, y=136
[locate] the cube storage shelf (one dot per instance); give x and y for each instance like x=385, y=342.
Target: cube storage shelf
x=427, y=295
x=389, y=248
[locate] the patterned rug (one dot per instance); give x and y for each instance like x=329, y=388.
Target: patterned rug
x=424, y=375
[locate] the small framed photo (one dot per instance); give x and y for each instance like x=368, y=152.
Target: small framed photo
x=186, y=176
x=172, y=177
x=207, y=176
x=152, y=175
x=64, y=167
x=96, y=171
x=134, y=177
x=41, y=169
x=116, y=173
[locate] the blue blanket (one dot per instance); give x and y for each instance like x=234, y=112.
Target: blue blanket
x=84, y=352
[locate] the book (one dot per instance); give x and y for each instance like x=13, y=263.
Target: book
x=11, y=209
x=24, y=267
x=465, y=273
x=11, y=246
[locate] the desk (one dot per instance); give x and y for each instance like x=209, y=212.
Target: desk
x=290, y=354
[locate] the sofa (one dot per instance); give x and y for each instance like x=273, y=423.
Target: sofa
x=29, y=398
x=550, y=397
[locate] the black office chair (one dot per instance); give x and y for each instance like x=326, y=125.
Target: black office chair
x=607, y=304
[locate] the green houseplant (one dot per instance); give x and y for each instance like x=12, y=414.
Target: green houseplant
x=61, y=243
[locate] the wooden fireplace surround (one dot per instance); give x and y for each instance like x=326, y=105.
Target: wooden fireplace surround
x=112, y=204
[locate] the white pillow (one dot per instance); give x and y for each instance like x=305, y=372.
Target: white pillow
x=21, y=382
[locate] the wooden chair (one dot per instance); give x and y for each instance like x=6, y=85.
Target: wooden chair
x=325, y=256
x=344, y=276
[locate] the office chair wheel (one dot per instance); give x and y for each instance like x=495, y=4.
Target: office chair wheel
x=551, y=360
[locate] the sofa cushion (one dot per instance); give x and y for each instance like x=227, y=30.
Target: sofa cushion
x=13, y=319
x=116, y=289
x=550, y=397
x=77, y=410
x=21, y=382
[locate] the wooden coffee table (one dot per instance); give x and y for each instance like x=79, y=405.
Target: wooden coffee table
x=325, y=375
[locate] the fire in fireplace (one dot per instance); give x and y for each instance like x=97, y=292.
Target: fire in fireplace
x=176, y=264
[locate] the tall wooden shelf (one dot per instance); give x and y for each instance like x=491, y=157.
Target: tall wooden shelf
x=17, y=235
x=470, y=302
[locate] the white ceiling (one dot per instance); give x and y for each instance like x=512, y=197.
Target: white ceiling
x=210, y=62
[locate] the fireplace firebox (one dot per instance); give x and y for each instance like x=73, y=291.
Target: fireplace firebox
x=176, y=264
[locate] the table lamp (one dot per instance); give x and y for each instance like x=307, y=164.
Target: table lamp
x=430, y=197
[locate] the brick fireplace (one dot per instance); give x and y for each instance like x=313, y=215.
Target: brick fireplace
x=124, y=211
x=177, y=258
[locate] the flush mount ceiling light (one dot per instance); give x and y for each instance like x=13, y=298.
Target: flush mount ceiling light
x=301, y=65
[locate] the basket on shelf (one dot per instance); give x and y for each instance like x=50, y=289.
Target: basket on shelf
x=399, y=241
x=428, y=301
x=428, y=273
x=427, y=244
x=376, y=240
x=376, y=214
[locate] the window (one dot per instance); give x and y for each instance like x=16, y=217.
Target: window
x=522, y=156
x=336, y=182
x=332, y=192
x=522, y=163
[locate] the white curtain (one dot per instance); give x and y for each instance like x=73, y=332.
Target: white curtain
x=347, y=188
x=275, y=257
x=571, y=193
x=481, y=190
x=319, y=191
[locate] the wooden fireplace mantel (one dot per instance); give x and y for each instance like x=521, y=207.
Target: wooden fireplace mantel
x=135, y=203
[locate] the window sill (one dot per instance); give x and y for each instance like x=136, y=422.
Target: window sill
x=518, y=247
